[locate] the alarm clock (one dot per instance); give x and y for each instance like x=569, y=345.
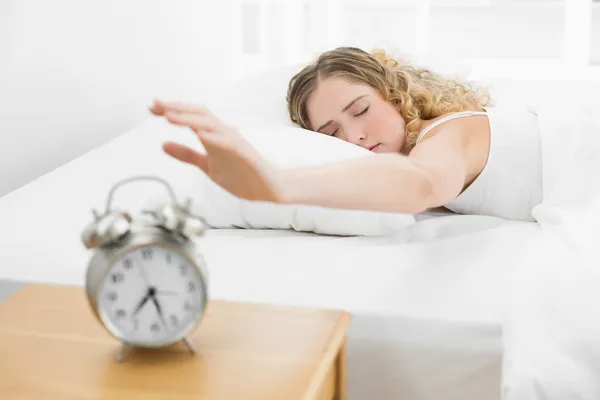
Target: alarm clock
x=146, y=281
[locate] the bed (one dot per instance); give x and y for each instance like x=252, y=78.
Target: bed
x=428, y=303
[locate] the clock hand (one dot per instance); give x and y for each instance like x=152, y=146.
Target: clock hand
x=160, y=313
x=169, y=292
x=141, y=303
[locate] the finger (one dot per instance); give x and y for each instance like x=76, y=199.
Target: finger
x=162, y=107
x=213, y=143
x=157, y=108
x=186, y=155
x=197, y=122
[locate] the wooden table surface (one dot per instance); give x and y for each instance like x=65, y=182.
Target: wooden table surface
x=51, y=347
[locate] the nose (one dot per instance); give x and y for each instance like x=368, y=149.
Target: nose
x=355, y=136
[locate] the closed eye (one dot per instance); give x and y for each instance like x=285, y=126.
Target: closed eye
x=362, y=112
x=355, y=116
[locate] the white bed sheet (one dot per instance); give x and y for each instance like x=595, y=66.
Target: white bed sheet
x=443, y=268
x=428, y=303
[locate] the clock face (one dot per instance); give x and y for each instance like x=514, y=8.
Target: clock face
x=151, y=296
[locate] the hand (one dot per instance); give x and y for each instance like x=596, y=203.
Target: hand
x=167, y=292
x=160, y=313
x=230, y=161
x=141, y=304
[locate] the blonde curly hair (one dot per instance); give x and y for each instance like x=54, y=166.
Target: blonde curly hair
x=417, y=93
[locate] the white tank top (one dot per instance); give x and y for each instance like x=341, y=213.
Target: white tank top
x=510, y=184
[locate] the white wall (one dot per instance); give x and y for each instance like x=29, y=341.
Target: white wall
x=595, y=41
x=76, y=73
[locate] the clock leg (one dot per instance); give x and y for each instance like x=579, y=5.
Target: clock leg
x=189, y=345
x=122, y=352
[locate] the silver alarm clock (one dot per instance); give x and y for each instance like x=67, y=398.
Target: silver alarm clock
x=146, y=282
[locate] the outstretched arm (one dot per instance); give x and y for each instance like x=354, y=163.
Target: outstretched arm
x=431, y=175
x=382, y=182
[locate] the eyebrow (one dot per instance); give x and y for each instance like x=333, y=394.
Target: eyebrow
x=326, y=124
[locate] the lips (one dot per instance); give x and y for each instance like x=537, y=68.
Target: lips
x=374, y=147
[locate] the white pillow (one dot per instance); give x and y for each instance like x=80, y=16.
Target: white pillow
x=289, y=147
x=257, y=100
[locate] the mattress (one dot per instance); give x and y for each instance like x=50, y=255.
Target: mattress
x=442, y=268
x=428, y=303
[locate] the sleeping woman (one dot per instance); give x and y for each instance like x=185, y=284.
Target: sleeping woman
x=437, y=143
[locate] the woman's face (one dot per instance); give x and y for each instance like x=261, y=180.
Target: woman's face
x=357, y=114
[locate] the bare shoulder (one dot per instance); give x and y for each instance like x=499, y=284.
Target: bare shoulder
x=463, y=129
x=468, y=136
x=454, y=152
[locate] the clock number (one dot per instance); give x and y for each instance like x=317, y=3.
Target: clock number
x=121, y=313
x=117, y=277
x=155, y=327
x=111, y=296
x=147, y=254
x=136, y=324
x=187, y=306
x=174, y=320
x=127, y=263
x=191, y=287
x=183, y=269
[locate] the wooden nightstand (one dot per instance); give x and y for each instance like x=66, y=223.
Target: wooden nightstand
x=52, y=348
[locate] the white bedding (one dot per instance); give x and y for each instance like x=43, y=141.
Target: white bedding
x=552, y=345
x=454, y=268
